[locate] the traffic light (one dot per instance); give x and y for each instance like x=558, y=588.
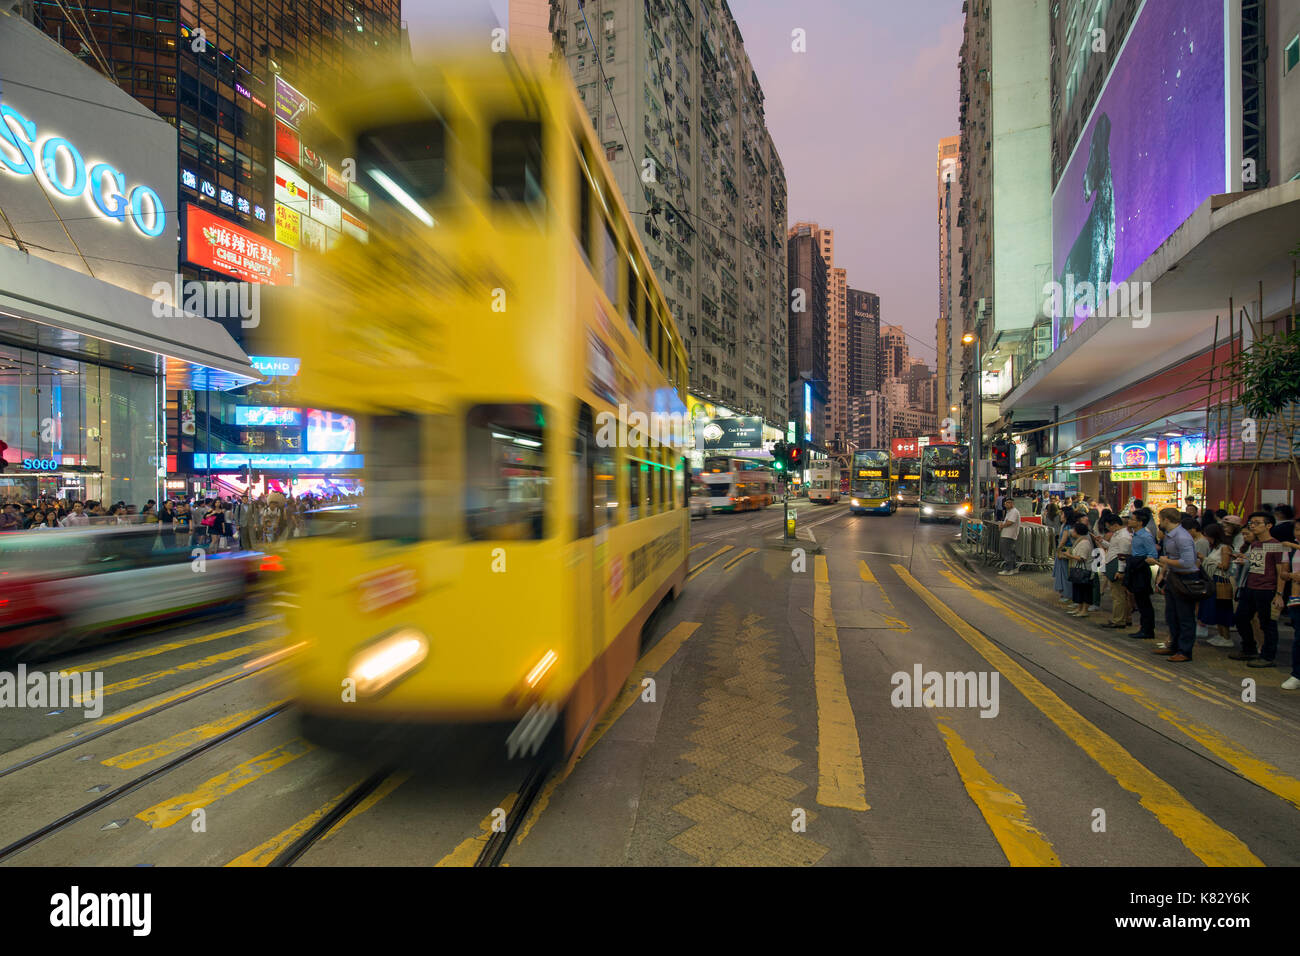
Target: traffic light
x=1002, y=457
x=778, y=456
x=794, y=459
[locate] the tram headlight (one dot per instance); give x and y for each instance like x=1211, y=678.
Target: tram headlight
x=855, y=503
x=963, y=509
x=383, y=663
x=928, y=510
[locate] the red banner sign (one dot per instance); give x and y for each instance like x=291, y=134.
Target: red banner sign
x=286, y=142
x=216, y=243
x=904, y=448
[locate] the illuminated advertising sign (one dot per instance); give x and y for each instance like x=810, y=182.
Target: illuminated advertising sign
x=1133, y=454
x=735, y=432
x=807, y=411
x=1153, y=150
x=330, y=431
x=270, y=365
x=313, y=235
x=290, y=105
x=232, y=461
x=312, y=162
x=288, y=226
x=904, y=447
x=326, y=210
x=216, y=243
x=354, y=227
x=1143, y=475
x=334, y=180
x=187, y=412
x=65, y=172
x=287, y=143
x=358, y=197
x=1182, y=451
x=290, y=188
x=268, y=416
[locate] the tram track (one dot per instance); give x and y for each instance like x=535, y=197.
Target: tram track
x=494, y=850
x=117, y=793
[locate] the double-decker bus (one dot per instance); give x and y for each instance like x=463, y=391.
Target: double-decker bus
x=502, y=317
x=824, y=481
x=907, y=481
x=871, y=483
x=945, y=482
x=738, y=484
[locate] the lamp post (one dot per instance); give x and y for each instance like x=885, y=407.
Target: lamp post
x=977, y=428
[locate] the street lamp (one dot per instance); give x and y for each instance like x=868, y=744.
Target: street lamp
x=977, y=386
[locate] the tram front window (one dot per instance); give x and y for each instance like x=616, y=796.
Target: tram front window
x=405, y=163
x=517, y=161
x=507, y=488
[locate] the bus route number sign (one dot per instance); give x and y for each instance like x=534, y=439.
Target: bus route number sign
x=870, y=473
x=947, y=473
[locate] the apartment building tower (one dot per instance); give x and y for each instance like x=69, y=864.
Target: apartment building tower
x=808, y=325
x=948, y=328
x=676, y=102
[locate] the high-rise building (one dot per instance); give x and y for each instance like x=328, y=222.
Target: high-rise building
x=948, y=328
x=674, y=98
x=836, y=336
x=1005, y=179
x=864, y=356
x=894, y=359
x=808, y=312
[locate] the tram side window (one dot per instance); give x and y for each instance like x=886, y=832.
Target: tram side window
x=517, y=161
x=610, y=275
x=586, y=239
x=633, y=297
x=584, y=477
x=507, y=488
x=633, y=489
x=395, y=502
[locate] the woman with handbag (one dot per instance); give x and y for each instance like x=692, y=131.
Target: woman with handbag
x=1080, y=569
x=1060, y=566
x=1216, y=610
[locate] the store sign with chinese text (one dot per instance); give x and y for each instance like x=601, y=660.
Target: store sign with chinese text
x=1142, y=475
x=904, y=447
x=287, y=143
x=288, y=226
x=216, y=243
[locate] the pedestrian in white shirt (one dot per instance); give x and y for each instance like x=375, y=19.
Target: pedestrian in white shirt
x=1007, y=542
x=1119, y=545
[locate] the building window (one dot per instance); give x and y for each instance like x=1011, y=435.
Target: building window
x=1291, y=56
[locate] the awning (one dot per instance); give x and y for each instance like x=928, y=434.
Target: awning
x=47, y=307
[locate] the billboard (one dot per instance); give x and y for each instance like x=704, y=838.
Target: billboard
x=290, y=188
x=1152, y=151
x=288, y=226
x=736, y=432
x=216, y=243
x=230, y=461
x=904, y=448
x=287, y=143
x=330, y=431
x=290, y=105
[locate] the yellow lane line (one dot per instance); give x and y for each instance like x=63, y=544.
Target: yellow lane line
x=228, y=655
x=152, y=704
x=469, y=850
x=865, y=572
x=186, y=738
x=1002, y=808
x=165, y=648
x=736, y=560
x=264, y=853
x=840, y=779
x=707, y=561
x=1212, y=844
x=654, y=659
x=176, y=808
x=694, y=546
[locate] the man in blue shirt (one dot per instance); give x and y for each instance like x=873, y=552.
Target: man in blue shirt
x=1180, y=611
x=1138, y=576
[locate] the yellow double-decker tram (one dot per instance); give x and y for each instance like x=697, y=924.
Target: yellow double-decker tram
x=502, y=344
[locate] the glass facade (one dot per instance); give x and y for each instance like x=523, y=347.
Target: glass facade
x=78, y=430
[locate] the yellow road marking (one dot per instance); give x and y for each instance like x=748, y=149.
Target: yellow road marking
x=169, y=811
x=264, y=853
x=165, y=648
x=228, y=655
x=654, y=659
x=469, y=850
x=694, y=546
x=186, y=738
x=707, y=561
x=1212, y=844
x=1002, y=808
x=149, y=705
x=864, y=572
x=840, y=779
x=736, y=560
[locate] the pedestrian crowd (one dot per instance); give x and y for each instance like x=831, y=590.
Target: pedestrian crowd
x=216, y=523
x=1216, y=572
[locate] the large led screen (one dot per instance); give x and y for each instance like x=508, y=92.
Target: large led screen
x=330, y=431
x=1153, y=150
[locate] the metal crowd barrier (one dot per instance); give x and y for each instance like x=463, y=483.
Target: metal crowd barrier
x=1035, y=545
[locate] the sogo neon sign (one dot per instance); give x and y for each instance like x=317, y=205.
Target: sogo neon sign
x=64, y=171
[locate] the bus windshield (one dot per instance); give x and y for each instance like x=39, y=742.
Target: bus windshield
x=945, y=474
